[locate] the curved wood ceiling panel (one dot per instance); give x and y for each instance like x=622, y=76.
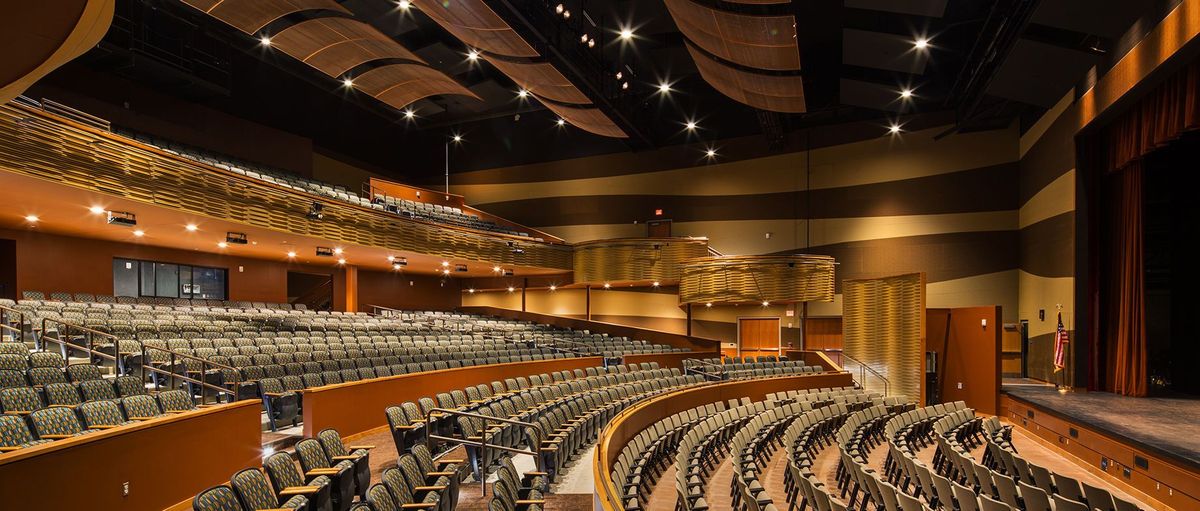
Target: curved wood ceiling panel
x=336, y=45
x=250, y=16
x=399, y=85
x=542, y=79
x=759, y=2
x=763, y=42
x=589, y=119
x=476, y=24
x=774, y=93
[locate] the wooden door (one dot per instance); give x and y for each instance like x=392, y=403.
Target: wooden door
x=758, y=337
x=658, y=229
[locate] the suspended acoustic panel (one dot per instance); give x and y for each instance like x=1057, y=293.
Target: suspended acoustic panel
x=761, y=42
x=635, y=259
x=476, y=24
x=589, y=119
x=250, y=16
x=759, y=2
x=337, y=45
x=754, y=279
x=542, y=79
x=883, y=327
x=766, y=92
x=400, y=84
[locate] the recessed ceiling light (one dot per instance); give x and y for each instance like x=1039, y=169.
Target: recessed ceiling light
x=894, y=129
x=560, y=122
x=624, y=85
x=337, y=250
x=472, y=55
x=264, y=40
x=222, y=244
x=522, y=94
x=511, y=289
x=553, y=287
x=766, y=303
x=607, y=285
x=710, y=153
x=496, y=269
x=921, y=43
x=291, y=254
x=709, y=304
x=396, y=266
x=391, y=258
x=664, y=87
x=591, y=43
x=342, y=260
x=583, y=38
x=404, y=4
x=139, y=233
x=626, y=34
x=472, y=290
x=96, y=210
x=655, y=284
x=191, y=227
x=31, y=218
x=691, y=126
x=906, y=93
x=445, y=263
x=559, y=8
x=409, y=113
x=457, y=137
x=347, y=82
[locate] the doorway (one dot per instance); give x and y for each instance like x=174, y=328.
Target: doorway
x=758, y=337
x=658, y=229
x=314, y=290
x=8, y=269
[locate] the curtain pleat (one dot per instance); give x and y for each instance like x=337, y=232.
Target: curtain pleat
x=1128, y=340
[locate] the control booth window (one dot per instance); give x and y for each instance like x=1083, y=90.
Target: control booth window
x=135, y=278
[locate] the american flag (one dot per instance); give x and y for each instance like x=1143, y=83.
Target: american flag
x=1060, y=345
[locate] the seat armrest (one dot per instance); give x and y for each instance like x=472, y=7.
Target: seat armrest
x=141, y=418
x=419, y=505
x=356, y=447
x=7, y=448
x=299, y=490
x=322, y=472
x=524, y=502
x=440, y=473
x=429, y=488
x=345, y=457
x=56, y=437
x=449, y=461
x=102, y=426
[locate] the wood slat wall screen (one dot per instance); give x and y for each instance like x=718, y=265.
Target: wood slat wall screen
x=476, y=24
x=762, y=42
x=37, y=144
x=883, y=325
x=337, y=45
x=753, y=279
x=250, y=16
x=635, y=259
x=768, y=92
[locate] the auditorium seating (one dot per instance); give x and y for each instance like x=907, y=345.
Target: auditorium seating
x=404, y=207
x=761, y=367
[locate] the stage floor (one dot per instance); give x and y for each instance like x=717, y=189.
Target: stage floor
x=1169, y=427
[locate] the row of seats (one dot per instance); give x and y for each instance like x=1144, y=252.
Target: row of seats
x=63, y=297
x=427, y=211
x=31, y=424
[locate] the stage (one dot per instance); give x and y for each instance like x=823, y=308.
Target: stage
x=1167, y=427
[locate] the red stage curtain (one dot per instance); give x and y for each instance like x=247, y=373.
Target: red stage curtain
x=1127, y=336
x=1162, y=116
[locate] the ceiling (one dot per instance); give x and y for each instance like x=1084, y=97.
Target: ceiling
x=990, y=62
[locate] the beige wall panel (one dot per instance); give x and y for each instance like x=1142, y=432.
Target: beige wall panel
x=998, y=288
x=614, y=302
x=1034, y=133
x=498, y=299
x=578, y=233
x=1056, y=198
x=1046, y=293
x=872, y=161
x=562, y=302
x=842, y=230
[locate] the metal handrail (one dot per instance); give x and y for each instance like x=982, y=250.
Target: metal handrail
x=91, y=351
x=864, y=368
x=6, y=323
x=483, y=443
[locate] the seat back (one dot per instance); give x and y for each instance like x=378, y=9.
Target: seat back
x=252, y=490
x=217, y=498
x=100, y=413
x=14, y=431
x=55, y=421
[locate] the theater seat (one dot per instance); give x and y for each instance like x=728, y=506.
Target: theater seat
x=15, y=434
x=281, y=470
x=314, y=463
x=331, y=442
x=217, y=498
x=56, y=423
x=255, y=493
x=282, y=405
x=102, y=415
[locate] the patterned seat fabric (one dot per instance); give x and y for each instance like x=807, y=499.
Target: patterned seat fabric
x=10, y=378
x=20, y=399
x=175, y=401
x=130, y=386
x=140, y=407
x=13, y=348
x=15, y=362
x=56, y=421
x=46, y=359
x=96, y=390
x=217, y=498
x=380, y=499
x=83, y=372
x=253, y=492
x=283, y=473
x=14, y=432
x=102, y=413
x=46, y=376
x=62, y=394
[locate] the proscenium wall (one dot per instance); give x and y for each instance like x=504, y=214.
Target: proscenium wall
x=879, y=204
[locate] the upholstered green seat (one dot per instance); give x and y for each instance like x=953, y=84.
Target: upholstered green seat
x=46, y=359
x=10, y=378
x=281, y=470
x=13, y=348
x=62, y=394
x=14, y=362
x=254, y=492
x=402, y=491
x=83, y=372
x=20, y=399
x=130, y=386
x=97, y=390
x=175, y=401
x=380, y=499
x=98, y=414
x=14, y=433
x=217, y=498
x=52, y=422
x=39, y=376
x=140, y=407
x=343, y=484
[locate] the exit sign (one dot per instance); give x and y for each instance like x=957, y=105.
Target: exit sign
x=658, y=212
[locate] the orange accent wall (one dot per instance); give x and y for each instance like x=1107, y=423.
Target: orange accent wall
x=165, y=461
x=970, y=356
x=357, y=407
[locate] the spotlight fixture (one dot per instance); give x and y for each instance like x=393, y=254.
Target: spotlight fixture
x=316, y=211
x=122, y=218
x=338, y=250
x=396, y=266
x=139, y=233
x=624, y=85
x=341, y=260
x=591, y=43
x=626, y=34
x=236, y=237
x=32, y=218
x=894, y=129
x=96, y=210
x=472, y=55
x=446, y=271
x=567, y=15
x=291, y=254
x=445, y=264
x=710, y=153
x=264, y=40
x=495, y=269
x=583, y=38
x=921, y=43
x=472, y=290
x=347, y=82
x=457, y=138
x=654, y=284
x=664, y=88
x=559, y=8
x=509, y=272
x=619, y=75
x=324, y=252
x=391, y=258
x=222, y=244
x=399, y=262
x=191, y=227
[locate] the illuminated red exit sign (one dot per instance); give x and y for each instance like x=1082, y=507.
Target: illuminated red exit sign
x=658, y=212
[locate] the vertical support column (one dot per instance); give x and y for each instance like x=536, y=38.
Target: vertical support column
x=524, y=284
x=689, y=320
x=587, y=304
x=345, y=289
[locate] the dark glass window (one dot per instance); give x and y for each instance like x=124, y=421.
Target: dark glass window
x=149, y=278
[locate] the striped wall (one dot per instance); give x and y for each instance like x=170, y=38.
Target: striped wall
x=881, y=205
x=1047, y=234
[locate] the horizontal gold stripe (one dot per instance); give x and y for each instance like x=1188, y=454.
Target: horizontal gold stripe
x=1056, y=198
